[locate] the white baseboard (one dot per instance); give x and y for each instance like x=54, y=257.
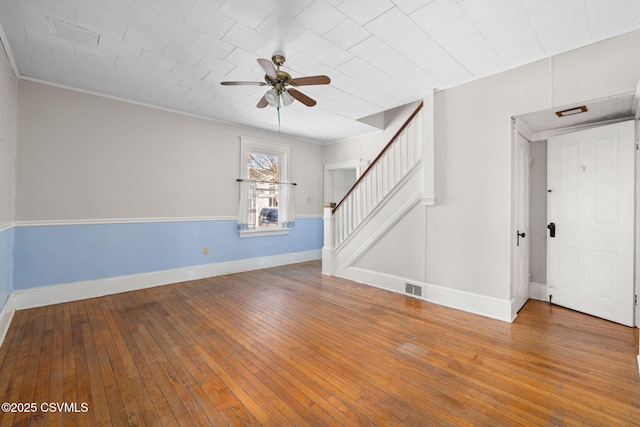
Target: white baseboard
x=6, y=315
x=538, y=291
x=55, y=294
x=473, y=303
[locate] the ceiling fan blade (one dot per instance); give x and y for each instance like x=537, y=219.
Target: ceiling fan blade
x=268, y=67
x=302, y=97
x=243, y=83
x=262, y=103
x=311, y=80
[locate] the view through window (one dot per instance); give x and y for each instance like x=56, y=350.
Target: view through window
x=264, y=169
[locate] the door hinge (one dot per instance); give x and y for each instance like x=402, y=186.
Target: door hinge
x=635, y=299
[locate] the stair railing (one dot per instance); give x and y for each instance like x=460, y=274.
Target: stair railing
x=396, y=159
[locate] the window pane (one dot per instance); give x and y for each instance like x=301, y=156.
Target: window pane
x=264, y=168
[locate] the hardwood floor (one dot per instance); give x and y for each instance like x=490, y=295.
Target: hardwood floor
x=288, y=346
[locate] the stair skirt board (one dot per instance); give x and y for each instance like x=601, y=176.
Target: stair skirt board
x=466, y=301
x=364, y=239
x=376, y=236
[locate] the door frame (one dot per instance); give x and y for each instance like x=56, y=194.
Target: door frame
x=520, y=127
x=328, y=168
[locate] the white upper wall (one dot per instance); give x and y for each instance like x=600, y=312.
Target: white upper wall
x=366, y=148
x=8, y=111
x=84, y=157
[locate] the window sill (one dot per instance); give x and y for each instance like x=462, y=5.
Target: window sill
x=262, y=232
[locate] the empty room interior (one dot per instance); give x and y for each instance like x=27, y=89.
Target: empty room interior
x=319, y=212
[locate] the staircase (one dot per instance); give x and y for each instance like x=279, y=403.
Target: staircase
x=383, y=194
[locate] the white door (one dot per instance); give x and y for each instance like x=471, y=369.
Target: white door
x=590, y=179
x=520, y=229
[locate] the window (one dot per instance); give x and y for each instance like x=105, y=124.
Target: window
x=265, y=196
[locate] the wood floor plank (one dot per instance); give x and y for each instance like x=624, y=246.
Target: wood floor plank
x=290, y=346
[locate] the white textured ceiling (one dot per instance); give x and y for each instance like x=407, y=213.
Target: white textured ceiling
x=379, y=54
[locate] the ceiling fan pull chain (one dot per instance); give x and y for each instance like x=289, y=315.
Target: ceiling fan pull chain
x=278, y=117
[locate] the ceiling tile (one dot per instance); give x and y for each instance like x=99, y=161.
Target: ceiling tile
x=511, y=35
x=549, y=12
x=607, y=19
x=410, y=40
x=137, y=68
x=209, y=21
x=390, y=24
x=479, y=9
x=409, y=6
x=243, y=75
x=39, y=40
x=280, y=27
x=370, y=48
x=215, y=65
x=456, y=30
x=347, y=34
x=145, y=39
x=177, y=9
x=212, y=46
x=475, y=54
x=63, y=10
x=157, y=60
x=289, y=8
x=440, y=64
x=302, y=64
x=244, y=37
x=248, y=12
x=190, y=71
x=119, y=48
x=310, y=43
x=132, y=13
x=246, y=60
x=560, y=27
x=334, y=56
x=103, y=23
x=355, y=67
x=395, y=64
x=98, y=57
x=320, y=17
x=177, y=31
x=436, y=14
x=197, y=84
x=184, y=53
x=364, y=12
x=72, y=33
x=166, y=76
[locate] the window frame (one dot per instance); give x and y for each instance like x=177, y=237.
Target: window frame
x=248, y=145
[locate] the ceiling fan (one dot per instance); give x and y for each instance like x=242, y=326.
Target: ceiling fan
x=280, y=94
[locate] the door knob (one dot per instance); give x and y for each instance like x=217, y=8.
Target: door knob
x=552, y=229
x=523, y=235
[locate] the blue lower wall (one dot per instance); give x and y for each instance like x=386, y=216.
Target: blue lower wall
x=56, y=254
x=6, y=265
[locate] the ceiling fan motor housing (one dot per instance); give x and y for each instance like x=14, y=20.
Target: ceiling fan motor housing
x=281, y=80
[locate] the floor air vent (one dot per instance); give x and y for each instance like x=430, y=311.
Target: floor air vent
x=413, y=289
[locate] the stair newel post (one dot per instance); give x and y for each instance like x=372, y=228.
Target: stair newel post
x=329, y=244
